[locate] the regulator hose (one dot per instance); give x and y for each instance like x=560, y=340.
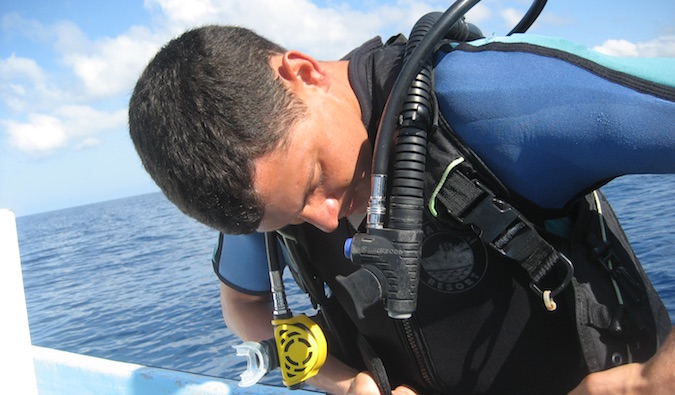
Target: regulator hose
x=530, y=16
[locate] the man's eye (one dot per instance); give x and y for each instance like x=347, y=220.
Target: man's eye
x=317, y=182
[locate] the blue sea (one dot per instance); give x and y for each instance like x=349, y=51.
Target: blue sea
x=132, y=280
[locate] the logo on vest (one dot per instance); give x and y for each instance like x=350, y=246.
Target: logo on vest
x=452, y=264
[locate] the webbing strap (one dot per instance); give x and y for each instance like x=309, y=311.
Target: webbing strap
x=499, y=225
x=374, y=364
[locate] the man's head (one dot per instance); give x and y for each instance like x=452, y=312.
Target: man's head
x=203, y=110
x=245, y=136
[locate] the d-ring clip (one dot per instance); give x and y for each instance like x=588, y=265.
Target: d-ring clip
x=547, y=295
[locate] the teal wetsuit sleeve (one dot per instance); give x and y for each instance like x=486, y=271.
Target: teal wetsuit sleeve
x=240, y=261
x=553, y=124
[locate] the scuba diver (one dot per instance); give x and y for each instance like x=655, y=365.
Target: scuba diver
x=435, y=196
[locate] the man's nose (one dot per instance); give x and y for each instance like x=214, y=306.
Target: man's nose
x=322, y=213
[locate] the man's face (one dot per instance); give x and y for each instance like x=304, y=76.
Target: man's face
x=320, y=175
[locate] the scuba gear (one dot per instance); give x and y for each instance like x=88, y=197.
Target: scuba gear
x=298, y=348
x=472, y=292
x=299, y=345
x=397, y=270
x=390, y=250
x=261, y=358
x=302, y=348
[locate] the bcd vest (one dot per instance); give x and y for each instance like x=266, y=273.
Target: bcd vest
x=479, y=328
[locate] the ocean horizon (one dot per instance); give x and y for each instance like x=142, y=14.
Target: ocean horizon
x=131, y=279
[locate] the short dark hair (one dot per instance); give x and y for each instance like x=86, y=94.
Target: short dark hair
x=203, y=110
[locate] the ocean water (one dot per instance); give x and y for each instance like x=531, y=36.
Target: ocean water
x=132, y=280
x=129, y=280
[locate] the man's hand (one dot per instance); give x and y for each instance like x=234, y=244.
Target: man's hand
x=626, y=379
x=363, y=384
x=654, y=377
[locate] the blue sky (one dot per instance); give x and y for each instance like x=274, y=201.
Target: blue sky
x=67, y=69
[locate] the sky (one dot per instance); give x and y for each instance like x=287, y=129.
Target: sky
x=67, y=68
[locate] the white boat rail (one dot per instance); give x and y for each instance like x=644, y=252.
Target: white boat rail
x=47, y=371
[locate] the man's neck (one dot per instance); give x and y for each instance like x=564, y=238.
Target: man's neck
x=342, y=88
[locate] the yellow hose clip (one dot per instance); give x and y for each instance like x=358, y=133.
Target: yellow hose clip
x=302, y=348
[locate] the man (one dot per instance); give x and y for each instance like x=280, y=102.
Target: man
x=244, y=136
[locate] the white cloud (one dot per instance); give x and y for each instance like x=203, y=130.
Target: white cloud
x=478, y=14
x=68, y=37
x=43, y=133
x=192, y=13
x=618, y=48
x=112, y=65
x=46, y=111
x=324, y=32
x=661, y=47
x=14, y=67
x=511, y=16
x=24, y=84
x=51, y=109
x=15, y=24
x=87, y=143
x=15, y=73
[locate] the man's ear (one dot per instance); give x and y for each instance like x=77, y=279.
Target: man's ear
x=297, y=67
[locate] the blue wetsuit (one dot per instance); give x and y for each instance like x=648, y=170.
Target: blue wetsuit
x=240, y=261
x=547, y=125
x=553, y=125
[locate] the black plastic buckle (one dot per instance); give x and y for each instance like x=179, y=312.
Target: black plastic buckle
x=490, y=217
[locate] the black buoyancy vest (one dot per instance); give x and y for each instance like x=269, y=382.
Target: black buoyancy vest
x=478, y=327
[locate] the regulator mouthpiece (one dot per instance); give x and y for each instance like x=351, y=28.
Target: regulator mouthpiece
x=257, y=361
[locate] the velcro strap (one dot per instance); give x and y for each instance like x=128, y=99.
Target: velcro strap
x=458, y=194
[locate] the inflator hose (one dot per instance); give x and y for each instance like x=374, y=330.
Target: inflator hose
x=530, y=16
x=406, y=202
x=390, y=252
x=423, y=50
x=434, y=34
x=416, y=118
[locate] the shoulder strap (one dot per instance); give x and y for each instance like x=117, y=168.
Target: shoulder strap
x=459, y=192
